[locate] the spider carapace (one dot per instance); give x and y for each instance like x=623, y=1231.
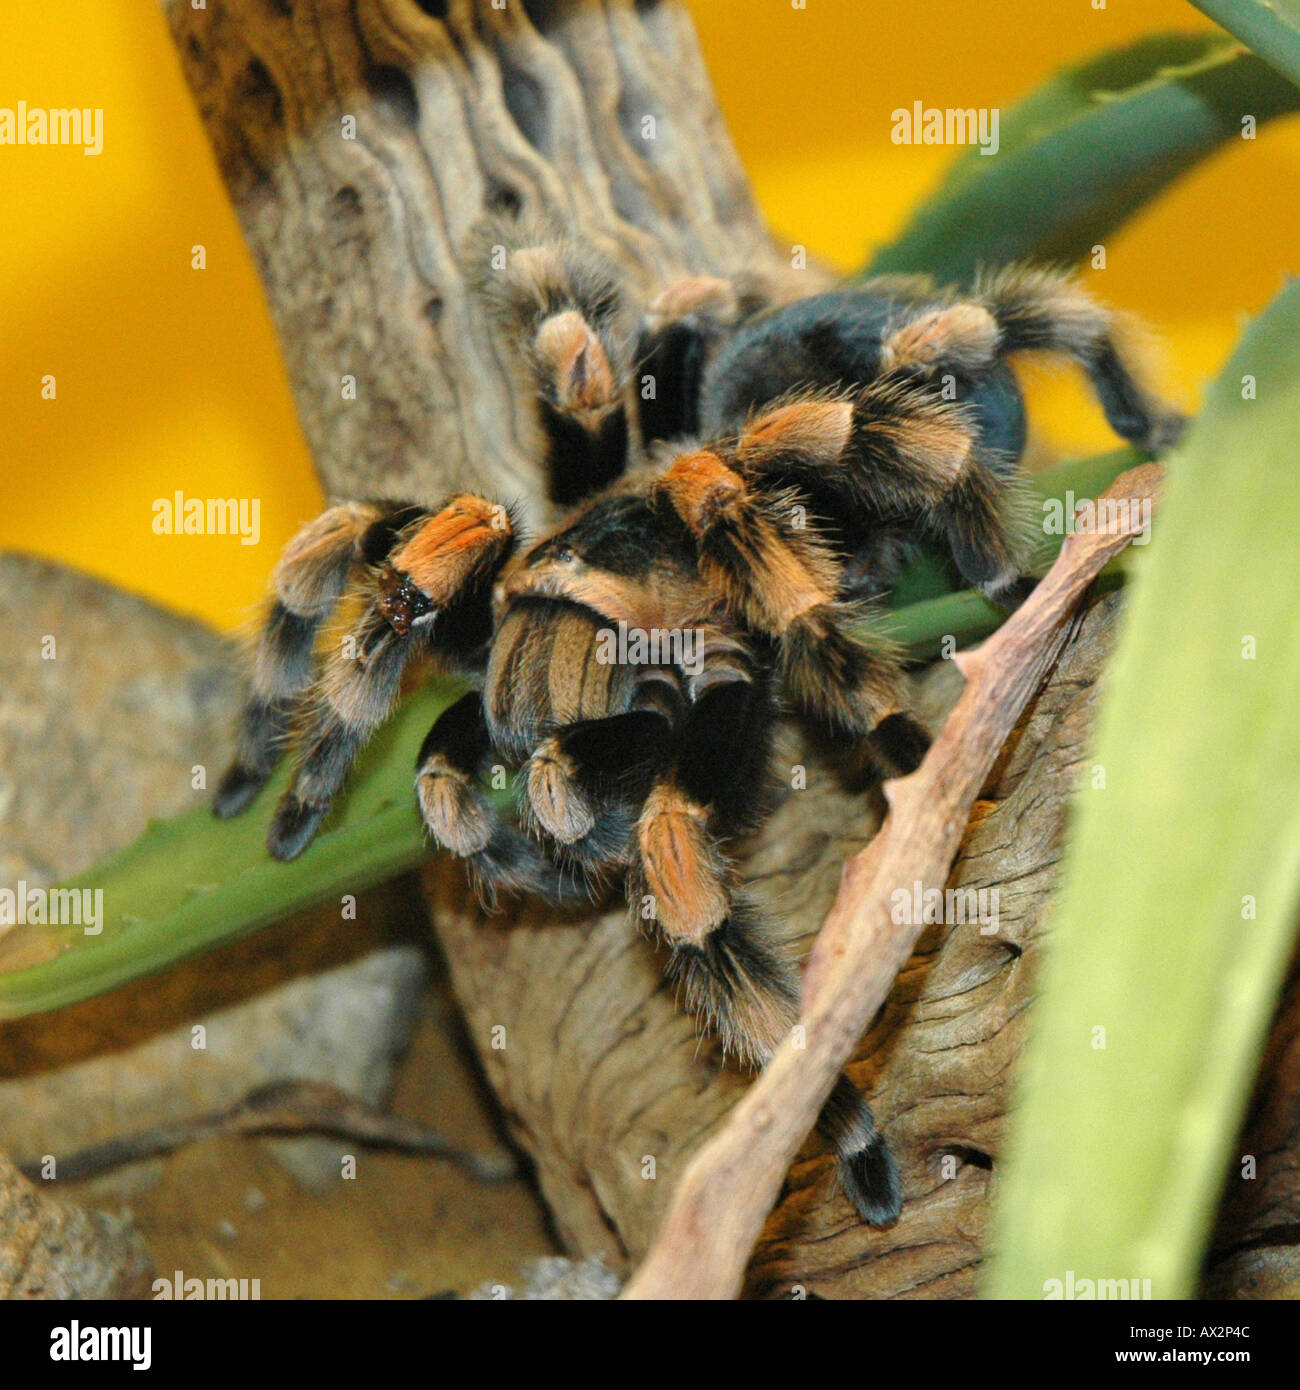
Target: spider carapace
x=734, y=521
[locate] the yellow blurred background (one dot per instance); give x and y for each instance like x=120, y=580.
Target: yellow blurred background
x=168, y=377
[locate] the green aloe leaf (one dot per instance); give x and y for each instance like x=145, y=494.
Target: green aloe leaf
x=191, y=883
x=1178, y=905
x=1080, y=155
x=1270, y=27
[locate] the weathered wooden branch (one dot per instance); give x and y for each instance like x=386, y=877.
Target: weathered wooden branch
x=719, y=1209
x=361, y=140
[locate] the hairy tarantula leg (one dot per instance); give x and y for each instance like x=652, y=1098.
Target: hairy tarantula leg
x=888, y=448
x=444, y=563
x=852, y=682
x=586, y=781
x=981, y=520
x=1038, y=309
x=434, y=592
x=736, y=981
x=564, y=304
x=306, y=584
x=681, y=332
x=351, y=698
x=898, y=448
x=577, y=774
x=734, y=973
x=452, y=804
x=782, y=582
x=736, y=977
x=962, y=337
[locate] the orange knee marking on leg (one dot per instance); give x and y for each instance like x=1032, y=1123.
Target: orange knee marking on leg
x=680, y=872
x=446, y=550
x=688, y=296
x=819, y=428
x=963, y=331
x=702, y=487
x=576, y=362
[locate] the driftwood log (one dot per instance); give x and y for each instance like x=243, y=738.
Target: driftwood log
x=360, y=141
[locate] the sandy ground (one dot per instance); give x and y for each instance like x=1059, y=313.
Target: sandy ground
x=404, y=1227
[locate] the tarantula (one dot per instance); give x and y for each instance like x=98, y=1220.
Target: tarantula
x=757, y=497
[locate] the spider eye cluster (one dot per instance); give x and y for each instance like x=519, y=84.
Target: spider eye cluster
x=553, y=555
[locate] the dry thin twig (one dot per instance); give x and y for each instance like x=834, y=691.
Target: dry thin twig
x=287, y=1107
x=719, y=1208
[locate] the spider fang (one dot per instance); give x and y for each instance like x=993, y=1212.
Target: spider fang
x=401, y=603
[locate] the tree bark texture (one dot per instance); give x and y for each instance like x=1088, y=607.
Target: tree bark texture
x=361, y=140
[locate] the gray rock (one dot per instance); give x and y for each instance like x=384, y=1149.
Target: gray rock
x=93, y=743
x=54, y=1249
x=554, y=1279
